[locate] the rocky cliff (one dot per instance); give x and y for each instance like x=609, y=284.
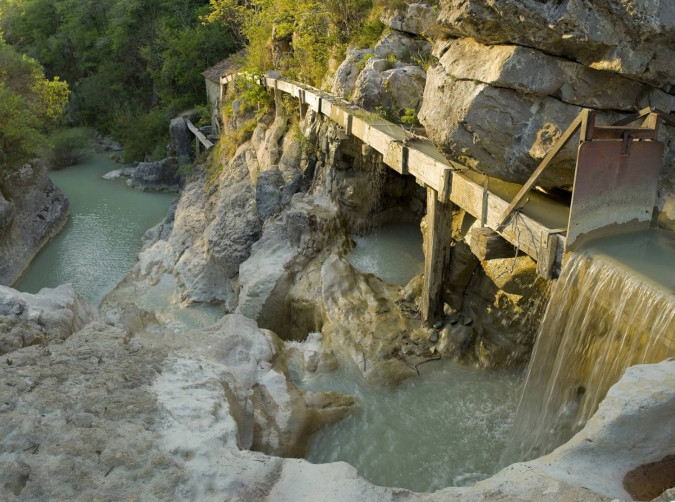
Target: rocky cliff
x=511, y=76
x=32, y=211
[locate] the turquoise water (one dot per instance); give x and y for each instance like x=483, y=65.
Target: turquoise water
x=99, y=244
x=447, y=427
x=392, y=252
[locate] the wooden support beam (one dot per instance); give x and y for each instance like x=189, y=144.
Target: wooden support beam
x=582, y=120
x=547, y=257
x=437, y=247
x=487, y=244
x=199, y=137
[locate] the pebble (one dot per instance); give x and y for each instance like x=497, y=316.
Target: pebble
x=433, y=337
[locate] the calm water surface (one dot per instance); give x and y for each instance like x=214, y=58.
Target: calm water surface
x=392, y=252
x=100, y=242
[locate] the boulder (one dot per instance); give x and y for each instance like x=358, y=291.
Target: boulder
x=401, y=48
x=633, y=39
x=389, y=90
x=160, y=176
x=51, y=314
x=345, y=77
x=415, y=19
x=181, y=141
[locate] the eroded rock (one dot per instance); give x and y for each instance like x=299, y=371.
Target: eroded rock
x=161, y=176
x=51, y=314
x=32, y=211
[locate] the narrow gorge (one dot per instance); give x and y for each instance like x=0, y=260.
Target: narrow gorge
x=313, y=299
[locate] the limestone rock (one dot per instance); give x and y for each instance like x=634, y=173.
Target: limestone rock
x=210, y=234
x=161, y=176
x=497, y=131
x=27, y=319
x=266, y=142
x=268, y=193
x=534, y=72
x=402, y=48
x=363, y=322
x=634, y=39
x=416, y=18
x=6, y=212
x=345, y=77
x=127, y=171
x=181, y=141
x=393, y=90
x=32, y=211
x=152, y=420
x=403, y=88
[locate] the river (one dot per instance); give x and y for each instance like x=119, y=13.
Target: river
x=99, y=244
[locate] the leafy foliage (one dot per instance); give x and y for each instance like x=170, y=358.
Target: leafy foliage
x=119, y=55
x=30, y=106
x=316, y=30
x=68, y=146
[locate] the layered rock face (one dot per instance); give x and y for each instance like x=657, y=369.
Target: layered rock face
x=389, y=78
x=32, y=211
x=512, y=76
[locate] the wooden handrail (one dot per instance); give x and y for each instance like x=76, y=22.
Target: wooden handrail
x=208, y=144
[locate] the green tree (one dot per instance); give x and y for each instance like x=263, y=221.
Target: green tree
x=30, y=106
x=119, y=55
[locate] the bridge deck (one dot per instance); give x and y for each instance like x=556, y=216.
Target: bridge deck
x=536, y=229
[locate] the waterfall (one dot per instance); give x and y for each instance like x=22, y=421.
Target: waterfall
x=604, y=315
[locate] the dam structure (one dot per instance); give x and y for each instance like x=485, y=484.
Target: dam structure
x=614, y=188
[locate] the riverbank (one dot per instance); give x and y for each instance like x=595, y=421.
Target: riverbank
x=100, y=242
x=32, y=212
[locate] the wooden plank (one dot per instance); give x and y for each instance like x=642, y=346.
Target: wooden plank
x=547, y=261
x=437, y=247
x=523, y=232
x=564, y=139
x=440, y=175
x=618, y=132
x=487, y=244
x=396, y=157
x=198, y=134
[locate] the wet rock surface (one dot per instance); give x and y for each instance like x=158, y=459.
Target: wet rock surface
x=137, y=416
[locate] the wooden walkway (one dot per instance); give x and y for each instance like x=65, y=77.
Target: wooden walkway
x=511, y=213
x=537, y=229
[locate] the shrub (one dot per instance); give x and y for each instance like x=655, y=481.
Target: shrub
x=409, y=117
x=68, y=147
x=143, y=135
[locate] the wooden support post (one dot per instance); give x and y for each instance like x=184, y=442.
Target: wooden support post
x=547, y=259
x=437, y=246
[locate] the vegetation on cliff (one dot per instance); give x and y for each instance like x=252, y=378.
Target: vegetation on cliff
x=300, y=37
x=30, y=106
x=130, y=65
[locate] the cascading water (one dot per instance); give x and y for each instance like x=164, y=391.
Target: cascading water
x=612, y=307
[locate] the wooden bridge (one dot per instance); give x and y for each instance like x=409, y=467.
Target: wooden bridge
x=530, y=221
